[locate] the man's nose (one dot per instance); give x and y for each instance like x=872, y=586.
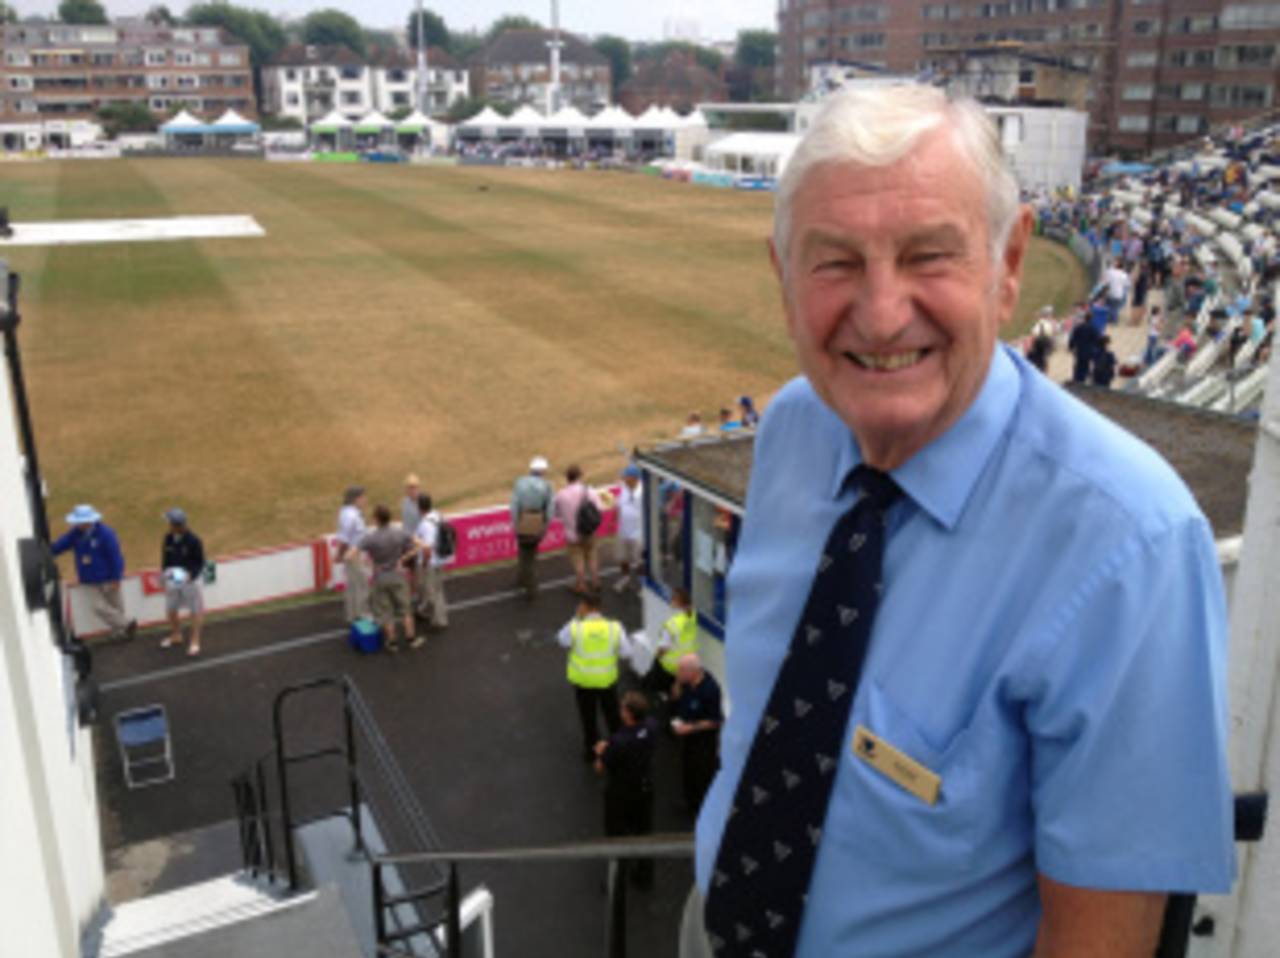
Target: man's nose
x=883, y=309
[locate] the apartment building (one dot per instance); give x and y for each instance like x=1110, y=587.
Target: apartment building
x=56, y=71
x=516, y=68
x=1186, y=68
x=1160, y=71
x=307, y=82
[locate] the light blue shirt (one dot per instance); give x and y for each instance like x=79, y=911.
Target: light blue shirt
x=1051, y=642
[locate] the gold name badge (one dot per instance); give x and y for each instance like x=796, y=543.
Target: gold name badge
x=896, y=766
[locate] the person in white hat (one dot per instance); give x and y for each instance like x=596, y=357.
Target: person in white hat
x=99, y=567
x=531, y=500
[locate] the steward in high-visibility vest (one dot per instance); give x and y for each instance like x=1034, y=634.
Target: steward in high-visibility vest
x=593, y=652
x=681, y=638
x=594, y=644
x=679, y=633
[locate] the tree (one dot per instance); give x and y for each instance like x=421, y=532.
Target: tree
x=7, y=13
x=751, y=74
x=332, y=28
x=464, y=46
x=81, y=11
x=259, y=31
x=433, y=27
x=160, y=16
x=756, y=48
x=618, y=51
x=131, y=117
x=512, y=21
x=379, y=40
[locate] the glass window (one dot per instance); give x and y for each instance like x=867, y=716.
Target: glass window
x=1143, y=58
x=1248, y=16
x=1135, y=124
x=666, y=503
x=1137, y=91
x=714, y=539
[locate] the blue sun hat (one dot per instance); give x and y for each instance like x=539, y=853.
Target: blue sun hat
x=83, y=514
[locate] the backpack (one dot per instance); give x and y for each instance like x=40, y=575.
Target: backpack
x=446, y=540
x=588, y=518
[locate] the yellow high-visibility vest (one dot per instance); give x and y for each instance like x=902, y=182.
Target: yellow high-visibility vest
x=593, y=654
x=683, y=628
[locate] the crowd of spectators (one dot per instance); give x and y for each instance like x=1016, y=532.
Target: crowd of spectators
x=1199, y=230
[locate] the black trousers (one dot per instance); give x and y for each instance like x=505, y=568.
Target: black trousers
x=589, y=701
x=628, y=810
x=700, y=760
x=526, y=565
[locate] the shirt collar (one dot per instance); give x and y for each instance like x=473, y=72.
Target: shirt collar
x=941, y=476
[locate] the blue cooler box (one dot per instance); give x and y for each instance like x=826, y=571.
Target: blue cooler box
x=366, y=636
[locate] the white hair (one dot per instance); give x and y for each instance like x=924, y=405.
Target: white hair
x=878, y=127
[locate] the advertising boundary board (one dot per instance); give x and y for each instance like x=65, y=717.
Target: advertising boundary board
x=260, y=576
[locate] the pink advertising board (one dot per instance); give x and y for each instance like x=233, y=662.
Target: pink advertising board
x=486, y=536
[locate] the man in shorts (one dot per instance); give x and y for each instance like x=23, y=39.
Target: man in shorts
x=581, y=549
x=182, y=562
x=388, y=548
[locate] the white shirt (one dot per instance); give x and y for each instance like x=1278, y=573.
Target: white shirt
x=428, y=534
x=630, y=513
x=1045, y=327
x=351, y=527
x=1117, y=283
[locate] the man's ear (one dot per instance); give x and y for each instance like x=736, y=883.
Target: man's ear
x=1012, y=260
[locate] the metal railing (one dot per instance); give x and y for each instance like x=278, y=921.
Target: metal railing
x=377, y=801
x=620, y=854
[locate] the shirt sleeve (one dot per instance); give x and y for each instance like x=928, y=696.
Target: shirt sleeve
x=63, y=542
x=197, y=554
x=565, y=635
x=1129, y=781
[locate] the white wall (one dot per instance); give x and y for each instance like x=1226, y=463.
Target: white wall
x=51, y=874
x=1248, y=922
x=1046, y=146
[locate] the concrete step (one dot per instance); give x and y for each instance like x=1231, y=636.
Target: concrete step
x=147, y=923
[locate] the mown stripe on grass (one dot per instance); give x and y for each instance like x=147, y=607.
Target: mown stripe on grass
x=531, y=281
x=137, y=354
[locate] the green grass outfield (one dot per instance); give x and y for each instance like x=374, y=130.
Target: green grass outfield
x=449, y=321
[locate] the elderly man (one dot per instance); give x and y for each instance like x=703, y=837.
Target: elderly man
x=531, y=499
x=351, y=529
x=99, y=567
x=697, y=720
x=976, y=635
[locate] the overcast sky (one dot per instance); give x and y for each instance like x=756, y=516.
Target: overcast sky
x=644, y=20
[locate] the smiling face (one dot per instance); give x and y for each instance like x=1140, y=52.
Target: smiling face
x=892, y=297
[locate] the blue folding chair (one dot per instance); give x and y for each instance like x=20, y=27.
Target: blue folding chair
x=143, y=734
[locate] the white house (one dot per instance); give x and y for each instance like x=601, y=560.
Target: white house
x=395, y=81
x=307, y=82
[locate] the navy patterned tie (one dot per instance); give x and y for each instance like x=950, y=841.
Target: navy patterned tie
x=761, y=877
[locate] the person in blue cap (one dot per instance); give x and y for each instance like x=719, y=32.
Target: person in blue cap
x=182, y=559
x=99, y=567
x=630, y=530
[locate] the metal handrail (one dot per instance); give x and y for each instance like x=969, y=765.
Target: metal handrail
x=678, y=845
x=616, y=852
